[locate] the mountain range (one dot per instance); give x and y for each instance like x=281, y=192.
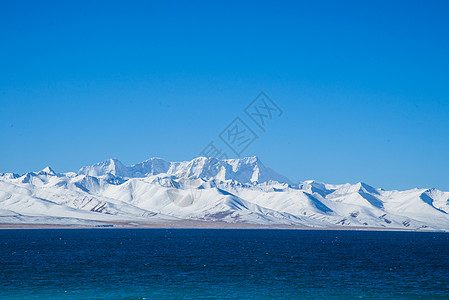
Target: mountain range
x=209, y=190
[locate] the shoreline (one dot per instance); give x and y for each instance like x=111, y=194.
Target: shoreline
x=200, y=225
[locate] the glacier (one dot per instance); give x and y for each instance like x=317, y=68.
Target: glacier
x=206, y=190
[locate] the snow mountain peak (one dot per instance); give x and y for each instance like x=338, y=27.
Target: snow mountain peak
x=112, y=166
x=46, y=171
x=244, y=170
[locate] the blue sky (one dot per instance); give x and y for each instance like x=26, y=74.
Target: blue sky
x=363, y=85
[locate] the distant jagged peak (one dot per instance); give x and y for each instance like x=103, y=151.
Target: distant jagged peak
x=363, y=188
x=359, y=187
x=112, y=166
x=113, y=162
x=46, y=171
x=70, y=174
x=115, y=167
x=313, y=186
x=245, y=160
x=244, y=170
x=9, y=175
x=309, y=183
x=151, y=160
x=152, y=166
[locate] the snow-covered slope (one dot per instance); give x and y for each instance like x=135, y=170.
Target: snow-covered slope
x=208, y=189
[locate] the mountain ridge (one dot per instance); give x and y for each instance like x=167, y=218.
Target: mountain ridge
x=238, y=191
x=250, y=169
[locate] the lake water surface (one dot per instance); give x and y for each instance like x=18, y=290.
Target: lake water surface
x=225, y=264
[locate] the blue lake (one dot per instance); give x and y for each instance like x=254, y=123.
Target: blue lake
x=225, y=264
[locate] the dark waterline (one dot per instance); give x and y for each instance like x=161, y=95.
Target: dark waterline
x=216, y=263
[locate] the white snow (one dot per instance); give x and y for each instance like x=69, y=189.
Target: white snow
x=209, y=189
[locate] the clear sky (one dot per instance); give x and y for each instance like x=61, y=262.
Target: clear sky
x=363, y=85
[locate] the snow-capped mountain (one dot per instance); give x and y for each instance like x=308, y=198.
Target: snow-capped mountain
x=246, y=170
x=209, y=190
